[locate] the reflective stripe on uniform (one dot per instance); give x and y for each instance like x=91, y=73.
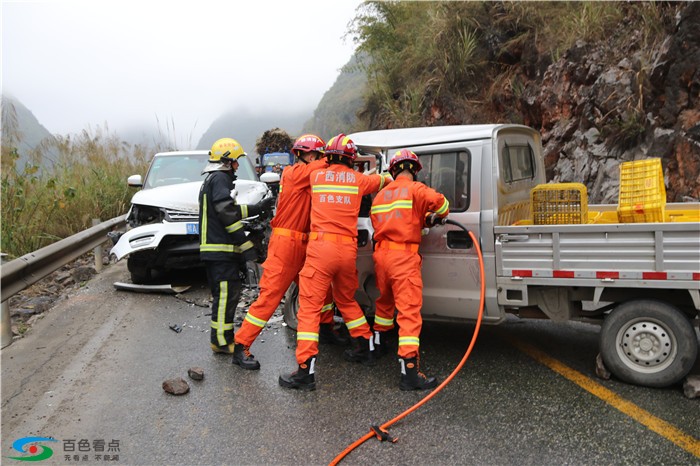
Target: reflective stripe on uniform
x=443, y=209
x=381, y=184
x=356, y=323
x=332, y=188
x=400, y=204
x=203, y=226
x=382, y=321
x=220, y=323
x=234, y=227
x=225, y=247
x=255, y=321
x=307, y=336
x=409, y=341
x=327, y=307
x=244, y=211
x=226, y=326
x=245, y=246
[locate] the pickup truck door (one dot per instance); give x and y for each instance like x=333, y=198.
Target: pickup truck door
x=451, y=284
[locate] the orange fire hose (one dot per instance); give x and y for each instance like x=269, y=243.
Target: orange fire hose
x=384, y=426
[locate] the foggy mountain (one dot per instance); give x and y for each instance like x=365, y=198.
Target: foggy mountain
x=20, y=126
x=246, y=127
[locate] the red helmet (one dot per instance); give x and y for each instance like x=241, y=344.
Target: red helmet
x=405, y=159
x=341, y=145
x=308, y=143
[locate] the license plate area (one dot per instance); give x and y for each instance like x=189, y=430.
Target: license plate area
x=192, y=228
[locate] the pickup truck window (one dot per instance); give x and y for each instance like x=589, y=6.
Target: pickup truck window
x=448, y=173
x=518, y=162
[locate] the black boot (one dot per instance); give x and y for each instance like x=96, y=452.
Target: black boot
x=303, y=378
x=328, y=334
x=362, y=351
x=243, y=358
x=382, y=345
x=412, y=378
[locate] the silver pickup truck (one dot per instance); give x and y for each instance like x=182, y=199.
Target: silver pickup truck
x=641, y=281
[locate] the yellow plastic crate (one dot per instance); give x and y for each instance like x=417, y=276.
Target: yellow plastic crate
x=642, y=192
x=559, y=204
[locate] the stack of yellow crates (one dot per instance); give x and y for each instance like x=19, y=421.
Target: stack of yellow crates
x=642, y=192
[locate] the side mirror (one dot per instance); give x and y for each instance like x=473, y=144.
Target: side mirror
x=270, y=177
x=134, y=181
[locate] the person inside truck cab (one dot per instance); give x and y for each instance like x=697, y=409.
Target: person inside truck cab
x=287, y=251
x=398, y=215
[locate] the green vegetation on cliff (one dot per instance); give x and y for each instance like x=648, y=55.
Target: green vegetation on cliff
x=466, y=62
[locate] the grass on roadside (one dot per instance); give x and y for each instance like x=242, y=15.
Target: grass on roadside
x=67, y=182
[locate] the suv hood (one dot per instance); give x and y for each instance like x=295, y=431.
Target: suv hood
x=184, y=196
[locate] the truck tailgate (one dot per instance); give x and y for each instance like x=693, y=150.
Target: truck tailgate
x=650, y=251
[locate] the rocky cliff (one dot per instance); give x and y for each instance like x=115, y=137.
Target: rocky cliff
x=604, y=82
x=603, y=103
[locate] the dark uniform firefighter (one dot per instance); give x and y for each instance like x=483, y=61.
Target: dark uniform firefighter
x=398, y=215
x=224, y=247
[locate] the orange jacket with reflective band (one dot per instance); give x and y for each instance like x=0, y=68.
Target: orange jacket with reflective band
x=294, y=201
x=398, y=212
x=337, y=192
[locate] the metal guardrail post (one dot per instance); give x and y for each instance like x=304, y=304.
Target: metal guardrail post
x=97, y=250
x=6, y=323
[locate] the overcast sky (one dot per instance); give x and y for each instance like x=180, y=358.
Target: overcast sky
x=128, y=63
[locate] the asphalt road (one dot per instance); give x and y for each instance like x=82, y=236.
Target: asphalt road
x=92, y=370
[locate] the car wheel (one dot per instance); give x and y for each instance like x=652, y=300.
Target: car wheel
x=291, y=306
x=649, y=343
x=140, y=272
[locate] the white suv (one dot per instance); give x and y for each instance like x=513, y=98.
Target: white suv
x=163, y=218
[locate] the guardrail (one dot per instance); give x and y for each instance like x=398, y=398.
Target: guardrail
x=24, y=271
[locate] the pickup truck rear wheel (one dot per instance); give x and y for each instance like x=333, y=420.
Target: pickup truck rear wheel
x=648, y=342
x=291, y=306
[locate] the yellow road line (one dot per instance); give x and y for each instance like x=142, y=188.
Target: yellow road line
x=661, y=427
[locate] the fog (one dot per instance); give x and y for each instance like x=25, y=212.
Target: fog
x=170, y=65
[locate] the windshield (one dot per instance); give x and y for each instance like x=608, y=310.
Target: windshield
x=175, y=169
x=275, y=159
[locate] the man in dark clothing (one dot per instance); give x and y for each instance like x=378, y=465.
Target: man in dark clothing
x=224, y=247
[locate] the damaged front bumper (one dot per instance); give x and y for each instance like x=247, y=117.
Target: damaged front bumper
x=150, y=236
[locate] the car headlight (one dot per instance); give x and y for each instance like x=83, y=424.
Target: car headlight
x=143, y=215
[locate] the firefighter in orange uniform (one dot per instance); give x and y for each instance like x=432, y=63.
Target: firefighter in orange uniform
x=398, y=215
x=336, y=193
x=286, y=251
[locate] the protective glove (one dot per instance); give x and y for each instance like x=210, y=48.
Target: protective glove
x=266, y=207
x=432, y=219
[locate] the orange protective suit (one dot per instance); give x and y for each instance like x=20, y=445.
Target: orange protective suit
x=336, y=193
x=286, y=251
x=398, y=216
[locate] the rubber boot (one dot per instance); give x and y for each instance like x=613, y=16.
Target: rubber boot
x=329, y=335
x=381, y=344
x=243, y=358
x=226, y=349
x=412, y=378
x=303, y=378
x=362, y=351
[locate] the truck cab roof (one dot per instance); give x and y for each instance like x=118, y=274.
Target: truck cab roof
x=409, y=137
